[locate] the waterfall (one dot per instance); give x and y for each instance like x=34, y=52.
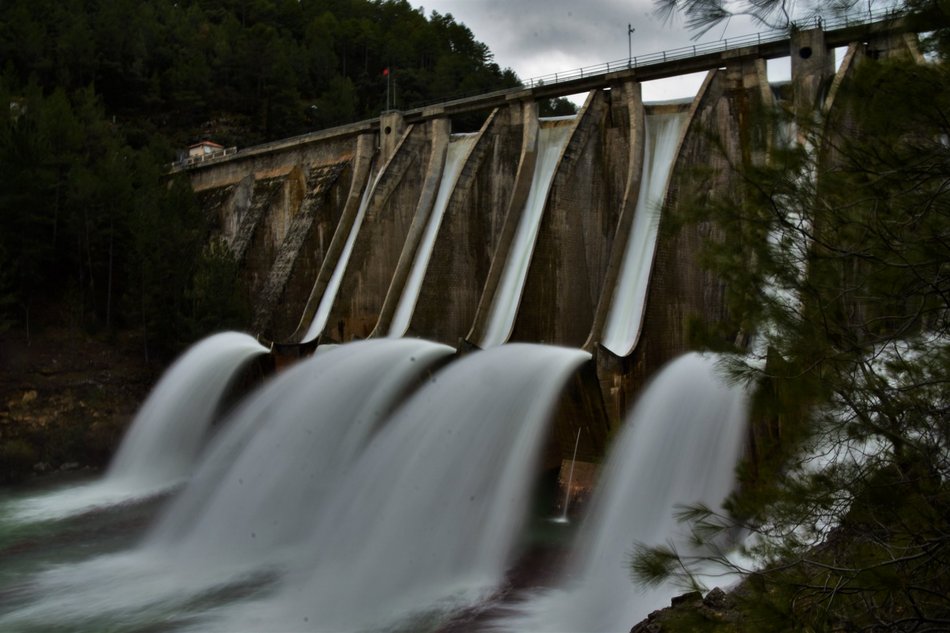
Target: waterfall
x=160, y=448
x=680, y=445
x=504, y=307
x=428, y=516
x=249, y=509
x=458, y=151
x=261, y=483
x=333, y=286
x=629, y=300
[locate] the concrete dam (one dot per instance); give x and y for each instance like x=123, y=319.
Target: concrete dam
x=502, y=291
x=526, y=229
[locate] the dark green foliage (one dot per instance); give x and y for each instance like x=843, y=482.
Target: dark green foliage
x=91, y=232
x=101, y=95
x=703, y=15
x=244, y=72
x=556, y=107
x=837, y=256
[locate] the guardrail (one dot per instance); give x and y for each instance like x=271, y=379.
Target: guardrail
x=188, y=161
x=686, y=52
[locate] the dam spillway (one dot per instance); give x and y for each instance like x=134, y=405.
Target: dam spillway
x=383, y=484
x=402, y=227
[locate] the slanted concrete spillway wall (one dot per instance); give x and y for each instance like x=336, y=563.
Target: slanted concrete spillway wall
x=289, y=212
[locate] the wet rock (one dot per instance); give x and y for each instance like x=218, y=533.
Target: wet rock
x=693, y=598
x=715, y=599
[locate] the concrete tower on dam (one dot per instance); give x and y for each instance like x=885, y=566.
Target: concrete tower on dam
x=526, y=230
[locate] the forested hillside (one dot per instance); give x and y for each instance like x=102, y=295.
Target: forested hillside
x=103, y=94
x=243, y=70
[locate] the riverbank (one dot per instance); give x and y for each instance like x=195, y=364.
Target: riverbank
x=66, y=398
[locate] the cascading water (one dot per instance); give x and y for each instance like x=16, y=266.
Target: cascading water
x=333, y=286
x=428, y=516
x=284, y=451
x=163, y=441
x=504, y=307
x=626, y=311
x=457, y=152
x=680, y=445
x=246, y=513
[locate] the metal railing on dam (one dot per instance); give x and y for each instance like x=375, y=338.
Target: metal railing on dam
x=832, y=27
x=838, y=31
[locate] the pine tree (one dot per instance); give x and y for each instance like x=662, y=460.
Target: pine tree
x=844, y=277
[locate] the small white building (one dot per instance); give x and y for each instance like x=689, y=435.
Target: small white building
x=204, y=148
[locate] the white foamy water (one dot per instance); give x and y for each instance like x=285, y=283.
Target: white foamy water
x=248, y=513
x=504, y=307
x=164, y=440
x=429, y=515
x=625, y=317
x=261, y=485
x=679, y=446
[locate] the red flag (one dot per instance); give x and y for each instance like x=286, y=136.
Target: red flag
x=385, y=72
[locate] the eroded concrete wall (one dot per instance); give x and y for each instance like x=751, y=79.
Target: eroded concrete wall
x=382, y=235
x=470, y=231
x=681, y=292
x=595, y=187
x=287, y=214
x=276, y=211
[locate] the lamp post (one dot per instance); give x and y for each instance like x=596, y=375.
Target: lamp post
x=630, y=31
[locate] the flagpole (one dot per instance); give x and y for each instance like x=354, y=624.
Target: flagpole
x=388, y=75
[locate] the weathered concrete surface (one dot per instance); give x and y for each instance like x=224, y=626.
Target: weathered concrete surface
x=362, y=164
x=567, y=267
x=813, y=67
x=470, y=231
x=285, y=292
x=276, y=208
x=383, y=233
x=441, y=135
x=681, y=292
x=632, y=99
x=512, y=217
x=262, y=228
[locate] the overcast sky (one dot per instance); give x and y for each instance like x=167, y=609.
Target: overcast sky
x=538, y=37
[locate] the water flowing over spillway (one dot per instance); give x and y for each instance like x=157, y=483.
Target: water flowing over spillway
x=255, y=499
x=351, y=515
x=626, y=311
x=680, y=446
x=333, y=286
x=504, y=307
x=283, y=452
x=457, y=152
x=428, y=516
x=164, y=439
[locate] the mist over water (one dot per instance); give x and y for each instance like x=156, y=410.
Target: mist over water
x=255, y=497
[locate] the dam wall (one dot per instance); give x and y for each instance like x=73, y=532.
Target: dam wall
x=338, y=231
